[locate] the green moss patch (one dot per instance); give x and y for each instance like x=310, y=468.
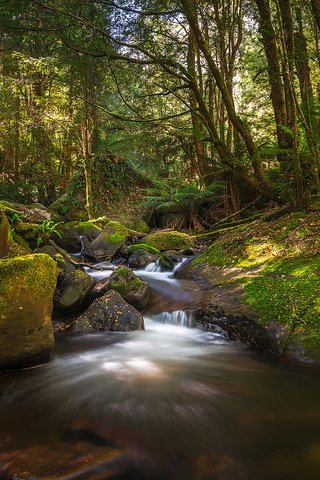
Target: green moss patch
x=143, y=246
x=277, y=263
x=35, y=274
x=168, y=241
x=83, y=228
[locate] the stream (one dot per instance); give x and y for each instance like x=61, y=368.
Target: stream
x=174, y=402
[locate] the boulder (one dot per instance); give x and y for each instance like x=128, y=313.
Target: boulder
x=33, y=234
x=140, y=259
x=72, y=231
x=61, y=260
x=32, y=213
x=72, y=289
x=109, y=242
x=4, y=235
x=127, y=284
x=166, y=263
x=168, y=241
x=110, y=312
x=143, y=246
x=27, y=284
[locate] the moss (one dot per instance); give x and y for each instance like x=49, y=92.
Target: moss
x=143, y=246
x=35, y=274
x=83, y=228
x=124, y=271
x=214, y=256
x=168, y=241
x=17, y=250
x=22, y=242
x=139, y=225
x=4, y=234
x=278, y=265
x=32, y=233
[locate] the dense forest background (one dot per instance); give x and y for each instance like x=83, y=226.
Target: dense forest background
x=217, y=100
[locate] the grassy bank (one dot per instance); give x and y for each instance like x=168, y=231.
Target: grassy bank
x=277, y=263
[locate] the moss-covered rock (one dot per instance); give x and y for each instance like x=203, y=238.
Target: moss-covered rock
x=27, y=284
x=109, y=312
x=143, y=246
x=127, y=284
x=72, y=288
x=32, y=213
x=62, y=261
x=139, y=225
x=33, y=234
x=4, y=235
x=140, y=259
x=109, y=242
x=70, y=233
x=168, y=241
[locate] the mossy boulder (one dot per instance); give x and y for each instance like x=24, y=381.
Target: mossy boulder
x=33, y=234
x=143, y=246
x=110, y=312
x=168, y=241
x=61, y=260
x=138, y=225
x=71, y=232
x=166, y=263
x=110, y=241
x=4, y=235
x=32, y=213
x=27, y=284
x=127, y=284
x=72, y=289
x=140, y=259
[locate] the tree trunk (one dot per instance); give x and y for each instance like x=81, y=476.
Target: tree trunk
x=316, y=11
x=308, y=102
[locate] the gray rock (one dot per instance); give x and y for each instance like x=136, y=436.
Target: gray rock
x=109, y=312
x=72, y=288
x=127, y=284
x=140, y=259
x=108, y=243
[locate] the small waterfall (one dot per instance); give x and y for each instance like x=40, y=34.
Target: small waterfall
x=153, y=267
x=82, y=240
x=178, y=317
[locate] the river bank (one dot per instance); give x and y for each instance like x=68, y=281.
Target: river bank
x=267, y=271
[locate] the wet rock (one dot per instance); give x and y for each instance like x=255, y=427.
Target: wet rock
x=127, y=284
x=110, y=312
x=27, y=285
x=167, y=263
x=110, y=241
x=239, y=329
x=72, y=289
x=140, y=259
x=72, y=231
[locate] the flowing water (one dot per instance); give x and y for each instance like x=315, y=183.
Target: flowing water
x=177, y=401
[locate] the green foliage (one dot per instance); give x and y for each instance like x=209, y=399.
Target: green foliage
x=183, y=199
x=14, y=218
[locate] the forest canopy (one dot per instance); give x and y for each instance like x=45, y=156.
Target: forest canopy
x=221, y=92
